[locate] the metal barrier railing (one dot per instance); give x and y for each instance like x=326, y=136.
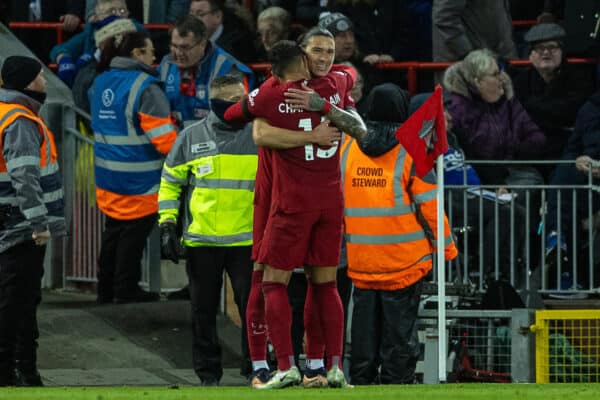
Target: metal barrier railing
x=502, y=238
x=85, y=221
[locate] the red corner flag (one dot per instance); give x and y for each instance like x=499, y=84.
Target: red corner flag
x=423, y=135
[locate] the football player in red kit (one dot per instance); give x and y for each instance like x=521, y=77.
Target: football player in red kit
x=305, y=211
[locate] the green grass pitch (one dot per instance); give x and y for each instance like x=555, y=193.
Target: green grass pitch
x=412, y=392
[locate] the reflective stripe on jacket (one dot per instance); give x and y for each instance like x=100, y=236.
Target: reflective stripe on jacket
x=217, y=62
x=390, y=216
x=30, y=184
x=129, y=145
x=219, y=165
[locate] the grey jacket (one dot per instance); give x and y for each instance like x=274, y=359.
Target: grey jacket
x=460, y=26
x=32, y=197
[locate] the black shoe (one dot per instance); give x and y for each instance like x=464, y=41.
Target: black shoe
x=28, y=378
x=140, y=296
x=209, y=382
x=181, y=294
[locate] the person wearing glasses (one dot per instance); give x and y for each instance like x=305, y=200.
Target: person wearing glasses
x=489, y=121
x=194, y=61
x=78, y=51
x=133, y=131
x=225, y=28
x=551, y=90
x=491, y=124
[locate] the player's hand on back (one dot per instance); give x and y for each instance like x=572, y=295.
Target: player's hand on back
x=305, y=98
x=325, y=135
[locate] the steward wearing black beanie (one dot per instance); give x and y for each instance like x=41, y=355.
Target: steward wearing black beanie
x=18, y=72
x=32, y=210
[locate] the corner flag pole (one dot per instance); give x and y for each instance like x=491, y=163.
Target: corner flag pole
x=441, y=272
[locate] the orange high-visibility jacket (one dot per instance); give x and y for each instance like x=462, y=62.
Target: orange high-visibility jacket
x=390, y=218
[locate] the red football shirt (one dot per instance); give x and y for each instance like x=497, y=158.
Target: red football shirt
x=308, y=177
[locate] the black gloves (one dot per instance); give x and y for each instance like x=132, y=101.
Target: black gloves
x=168, y=242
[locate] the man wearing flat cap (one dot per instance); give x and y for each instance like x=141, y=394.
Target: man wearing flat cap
x=31, y=210
x=551, y=90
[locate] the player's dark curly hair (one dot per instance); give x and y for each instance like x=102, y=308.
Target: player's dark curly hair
x=283, y=55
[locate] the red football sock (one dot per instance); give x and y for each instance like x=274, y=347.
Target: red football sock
x=279, y=322
x=315, y=346
x=327, y=300
x=255, y=319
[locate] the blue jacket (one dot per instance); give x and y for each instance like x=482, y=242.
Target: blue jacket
x=126, y=162
x=81, y=43
x=216, y=62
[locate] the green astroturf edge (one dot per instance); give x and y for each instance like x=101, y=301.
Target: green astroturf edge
x=416, y=392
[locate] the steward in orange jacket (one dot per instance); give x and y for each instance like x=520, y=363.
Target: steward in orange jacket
x=31, y=212
x=390, y=218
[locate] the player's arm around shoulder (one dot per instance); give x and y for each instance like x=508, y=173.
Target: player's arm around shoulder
x=346, y=120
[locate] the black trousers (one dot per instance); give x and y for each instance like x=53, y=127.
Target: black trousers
x=119, y=264
x=205, y=266
x=21, y=271
x=384, y=334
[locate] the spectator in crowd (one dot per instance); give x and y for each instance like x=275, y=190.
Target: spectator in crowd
x=461, y=26
x=193, y=63
x=272, y=25
x=218, y=234
x=225, y=29
x=32, y=211
x=69, y=12
x=489, y=121
x=152, y=12
x=157, y=12
x=551, y=91
x=77, y=51
x=85, y=76
x=133, y=131
x=379, y=26
x=544, y=11
x=387, y=274
x=261, y=5
x=458, y=172
x=491, y=124
x=307, y=12
x=583, y=147
x=346, y=49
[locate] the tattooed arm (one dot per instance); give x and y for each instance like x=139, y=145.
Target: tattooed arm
x=347, y=120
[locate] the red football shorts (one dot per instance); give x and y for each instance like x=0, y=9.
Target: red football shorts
x=261, y=215
x=292, y=240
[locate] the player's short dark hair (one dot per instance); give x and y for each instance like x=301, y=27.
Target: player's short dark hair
x=224, y=80
x=188, y=24
x=314, y=31
x=283, y=55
